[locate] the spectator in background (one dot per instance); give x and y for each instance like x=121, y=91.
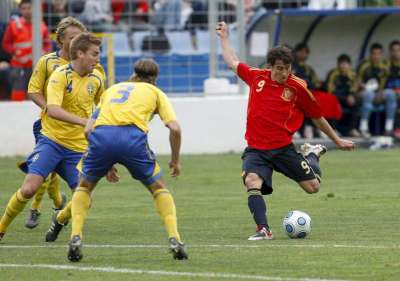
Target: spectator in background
x=301, y=69
x=75, y=7
x=167, y=15
x=372, y=75
x=135, y=13
x=198, y=19
x=393, y=81
x=17, y=42
x=54, y=12
x=304, y=71
x=342, y=81
x=97, y=16
x=227, y=11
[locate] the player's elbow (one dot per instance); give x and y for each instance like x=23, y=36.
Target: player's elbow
x=174, y=127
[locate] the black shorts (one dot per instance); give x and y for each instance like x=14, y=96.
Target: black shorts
x=285, y=160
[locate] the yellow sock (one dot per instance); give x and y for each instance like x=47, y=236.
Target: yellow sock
x=14, y=207
x=80, y=208
x=37, y=199
x=65, y=214
x=54, y=190
x=166, y=208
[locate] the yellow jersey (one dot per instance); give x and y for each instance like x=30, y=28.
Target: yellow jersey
x=77, y=95
x=42, y=71
x=133, y=103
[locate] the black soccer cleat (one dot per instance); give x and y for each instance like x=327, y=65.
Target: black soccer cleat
x=2, y=235
x=33, y=219
x=177, y=249
x=54, y=229
x=75, y=249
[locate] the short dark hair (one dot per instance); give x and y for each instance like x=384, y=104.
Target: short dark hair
x=375, y=46
x=24, y=2
x=394, y=43
x=146, y=70
x=280, y=53
x=343, y=58
x=301, y=46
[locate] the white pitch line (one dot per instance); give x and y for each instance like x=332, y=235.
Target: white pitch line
x=207, y=275
x=260, y=245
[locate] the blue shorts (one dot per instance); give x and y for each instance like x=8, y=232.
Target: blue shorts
x=37, y=126
x=48, y=156
x=126, y=145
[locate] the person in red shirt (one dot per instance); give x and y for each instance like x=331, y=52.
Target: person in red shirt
x=278, y=103
x=17, y=41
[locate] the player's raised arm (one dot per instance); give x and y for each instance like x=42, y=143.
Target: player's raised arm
x=228, y=52
x=175, y=143
x=324, y=126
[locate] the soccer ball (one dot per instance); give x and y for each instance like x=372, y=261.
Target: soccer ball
x=297, y=224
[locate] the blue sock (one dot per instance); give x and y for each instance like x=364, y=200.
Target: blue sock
x=313, y=161
x=258, y=209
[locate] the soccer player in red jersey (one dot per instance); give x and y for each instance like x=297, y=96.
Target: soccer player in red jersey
x=278, y=103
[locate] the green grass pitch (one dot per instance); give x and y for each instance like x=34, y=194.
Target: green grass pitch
x=355, y=235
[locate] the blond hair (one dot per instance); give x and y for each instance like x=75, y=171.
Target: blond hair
x=64, y=24
x=82, y=42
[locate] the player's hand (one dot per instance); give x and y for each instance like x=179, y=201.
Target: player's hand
x=112, y=175
x=175, y=168
x=344, y=144
x=222, y=29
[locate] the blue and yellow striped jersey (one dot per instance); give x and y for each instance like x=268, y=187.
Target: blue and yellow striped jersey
x=77, y=95
x=44, y=68
x=134, y=103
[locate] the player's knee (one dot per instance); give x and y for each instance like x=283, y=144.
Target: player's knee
x=253, y=181
x=312, y=186
x=31, y=186
x=157, y=185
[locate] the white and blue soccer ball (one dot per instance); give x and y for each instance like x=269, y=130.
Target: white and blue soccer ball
x=297, y=224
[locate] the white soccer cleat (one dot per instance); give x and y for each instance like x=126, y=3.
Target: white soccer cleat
x=261, y=234
x=317, y=149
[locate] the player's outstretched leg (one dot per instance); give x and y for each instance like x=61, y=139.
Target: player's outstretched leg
x=312, y=153
x=75, y=249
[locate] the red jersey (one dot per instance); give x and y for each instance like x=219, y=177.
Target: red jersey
x=275, y=111
x=17, y=41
